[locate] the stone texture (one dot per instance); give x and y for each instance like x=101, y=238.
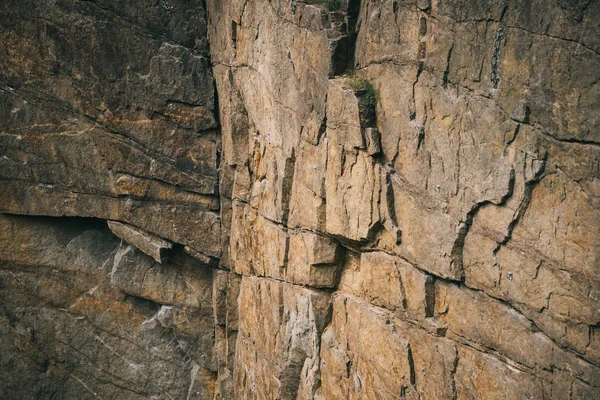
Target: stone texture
x=389, y=282
x=69, y=328
x=226, y=289
x=482, y=376
x=114, y=121
x=258, y=245
x=149, y=244
x=277, y=351
x=366, y=353
x=313, y=260
x=353, y=181
x=373, y=141
x=361, y=199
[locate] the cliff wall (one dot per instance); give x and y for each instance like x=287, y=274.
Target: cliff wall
x=278, y=199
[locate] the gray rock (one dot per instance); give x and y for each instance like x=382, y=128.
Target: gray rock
x=152, y=245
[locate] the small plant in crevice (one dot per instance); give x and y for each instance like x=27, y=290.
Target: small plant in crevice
x=362, y=87
x=333, y=5
x=367, y=98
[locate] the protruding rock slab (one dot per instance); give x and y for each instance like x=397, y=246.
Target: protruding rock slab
x=313, y=260
x=196, y=227
x=152, y=245
x=353, y=181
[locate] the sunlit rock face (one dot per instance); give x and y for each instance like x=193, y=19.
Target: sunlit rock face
x=280, y=199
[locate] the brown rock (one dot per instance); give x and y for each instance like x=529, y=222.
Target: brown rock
x=373, y=144
x=81, y=331
x=259, y=246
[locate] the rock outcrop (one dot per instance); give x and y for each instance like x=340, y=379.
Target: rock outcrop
x=286, y=199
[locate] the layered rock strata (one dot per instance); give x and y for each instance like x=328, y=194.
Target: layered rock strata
x=280, y=199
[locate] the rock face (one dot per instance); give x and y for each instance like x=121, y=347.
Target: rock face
x=278, y=199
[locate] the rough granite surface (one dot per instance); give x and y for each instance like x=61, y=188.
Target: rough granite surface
x=287, y=199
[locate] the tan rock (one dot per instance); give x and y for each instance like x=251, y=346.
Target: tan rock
x=380, y=280
x=270, y=192
x=430, y=166
x=258, y=246
x=241, y=184
x=569, y=233
x=313, y=260
x=372, y=139
x=507, y=261
x=487, y=323
x=480, y=375
x=388, y=281
x=363, y=356
x=277, y=352
x=307, y=200
x=480, y=319
x=183, y=281
x=366, y=353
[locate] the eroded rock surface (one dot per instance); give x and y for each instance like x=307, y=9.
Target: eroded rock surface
x=275, y=199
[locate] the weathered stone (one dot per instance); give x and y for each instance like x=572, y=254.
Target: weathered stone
x=313, y=260
x=80, y=331
x=226, y=287
x=277, y=353
x=97, y=126
x=259, y=246
x=241, y=184
x=470, y=314
x=197, y=255
x=152, y=245
x=307, y=200
x=390, y=282
x=377, y=280
x=84, y=104
x=514, y=264
x=378, y=365
x=270, y=193
x=366, y=353
x=186, y=224
x=372, y=139
x=353, y=181
x=480, y=375
x=182, y=282
x=430, y=166
x=483, y=321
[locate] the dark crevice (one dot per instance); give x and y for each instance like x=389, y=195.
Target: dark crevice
x=344, y=32
x=447, y=70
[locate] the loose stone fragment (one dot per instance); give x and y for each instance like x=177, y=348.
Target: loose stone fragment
x=152, y=245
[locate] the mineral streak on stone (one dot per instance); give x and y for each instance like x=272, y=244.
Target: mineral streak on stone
x=152, y=245
x=308, y=199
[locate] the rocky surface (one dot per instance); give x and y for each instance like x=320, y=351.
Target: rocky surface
x=280, y=199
